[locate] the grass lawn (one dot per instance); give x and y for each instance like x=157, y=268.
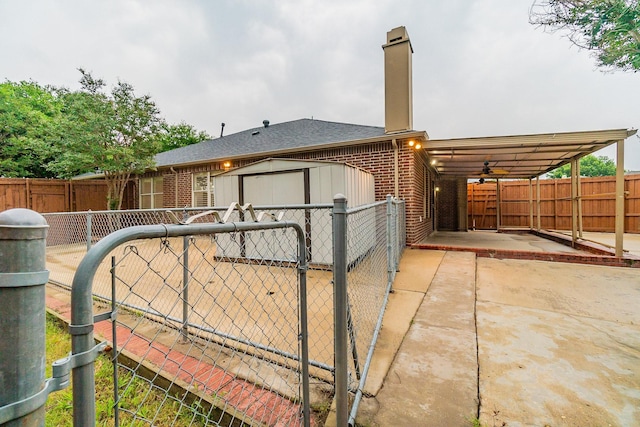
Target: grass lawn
x=150, y=405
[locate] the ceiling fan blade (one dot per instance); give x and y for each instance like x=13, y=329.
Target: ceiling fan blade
x=499, y=172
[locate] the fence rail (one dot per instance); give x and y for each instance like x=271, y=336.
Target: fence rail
x=597, y=195
x=206, y=308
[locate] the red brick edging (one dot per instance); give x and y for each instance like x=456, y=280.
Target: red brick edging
x=610, y=261
x=243, y=396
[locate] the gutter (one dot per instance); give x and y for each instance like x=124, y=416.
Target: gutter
x=175, y=172
x=383, y=138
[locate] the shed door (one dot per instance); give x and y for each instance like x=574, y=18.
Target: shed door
x=285, y=188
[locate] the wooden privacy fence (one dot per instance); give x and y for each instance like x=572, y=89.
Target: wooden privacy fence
x=52, y=195
x=598, y=204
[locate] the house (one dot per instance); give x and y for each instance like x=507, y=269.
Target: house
x=392, y=154
x=429, y=175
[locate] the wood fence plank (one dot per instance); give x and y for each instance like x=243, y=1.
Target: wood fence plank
x=598, y=204
x=51, y=195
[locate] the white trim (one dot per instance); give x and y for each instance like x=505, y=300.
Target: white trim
x=208, y=191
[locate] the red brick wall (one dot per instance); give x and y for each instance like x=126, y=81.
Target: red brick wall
x=448, y=204
x=419, y=210
x=378, y=159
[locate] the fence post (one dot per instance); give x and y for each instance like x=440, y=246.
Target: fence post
x=185, y=284
x=23, y=277
x=390, y=257
x=89, y=215
x=396, y=241
x=340, y=308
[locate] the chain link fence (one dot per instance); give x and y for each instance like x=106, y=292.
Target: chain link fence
x=72, y=234
x=375, y=237
x=208, y=323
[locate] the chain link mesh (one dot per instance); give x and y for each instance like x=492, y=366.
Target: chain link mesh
x=367, y=281
x=223, y=347
x=226, y=351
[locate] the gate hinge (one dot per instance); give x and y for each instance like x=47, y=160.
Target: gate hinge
x=59, y=380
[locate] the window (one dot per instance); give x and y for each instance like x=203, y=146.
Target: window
x=151, y=193
x=202, y=190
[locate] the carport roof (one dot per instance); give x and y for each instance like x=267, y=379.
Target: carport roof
x=522, y=156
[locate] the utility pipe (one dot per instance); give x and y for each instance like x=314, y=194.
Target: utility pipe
x=396, y=172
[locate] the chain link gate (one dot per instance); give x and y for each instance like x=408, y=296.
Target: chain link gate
x=216, y=337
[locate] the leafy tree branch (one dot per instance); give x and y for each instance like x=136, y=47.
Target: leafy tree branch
x=116, y=133
x=590, y=165
x=608, y=28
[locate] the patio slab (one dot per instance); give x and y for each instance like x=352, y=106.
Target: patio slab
x=558, y=345
x=494, y=240
x=433, y=379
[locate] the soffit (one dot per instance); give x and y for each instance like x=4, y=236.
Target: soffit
x=521, y=156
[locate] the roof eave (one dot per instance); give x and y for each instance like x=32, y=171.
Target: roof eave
x=604, y=136
x=387, y=137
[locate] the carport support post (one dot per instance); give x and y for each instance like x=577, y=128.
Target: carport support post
x=620, y=198
x=340, y=308
x=574, y=203
x=498, y=199
x=538, y=202
x=22, y=315
x=579, y=194
x=530, y=204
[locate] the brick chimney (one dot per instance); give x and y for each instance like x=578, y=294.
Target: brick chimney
x=398, y=88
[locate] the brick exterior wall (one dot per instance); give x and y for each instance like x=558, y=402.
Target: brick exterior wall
x=451, y=204
x=447, y=205
x=420, y=205
x=376, y=158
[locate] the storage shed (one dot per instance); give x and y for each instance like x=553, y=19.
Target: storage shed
x=278, y=182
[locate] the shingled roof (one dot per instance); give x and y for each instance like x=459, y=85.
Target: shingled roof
x=281, y=137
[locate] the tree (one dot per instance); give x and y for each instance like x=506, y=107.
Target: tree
x=116, y=133
x=180, y=135
x=609, y=28
x=590, y=165
x=28, y=115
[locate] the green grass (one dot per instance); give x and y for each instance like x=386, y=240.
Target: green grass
x=136, y=394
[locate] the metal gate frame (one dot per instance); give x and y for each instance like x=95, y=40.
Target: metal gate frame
x=82, y=318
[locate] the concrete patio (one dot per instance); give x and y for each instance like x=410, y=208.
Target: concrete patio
x=511, y=342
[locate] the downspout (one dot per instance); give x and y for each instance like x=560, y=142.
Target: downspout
x=396, y=172
x=175, y=191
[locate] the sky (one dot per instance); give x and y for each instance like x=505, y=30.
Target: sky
x=479, y=67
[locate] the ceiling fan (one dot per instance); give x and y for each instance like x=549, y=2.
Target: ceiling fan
x=488, y=172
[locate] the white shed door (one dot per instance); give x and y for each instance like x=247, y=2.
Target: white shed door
x=285, y=188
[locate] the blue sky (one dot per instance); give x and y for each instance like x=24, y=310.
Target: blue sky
x=479, y=67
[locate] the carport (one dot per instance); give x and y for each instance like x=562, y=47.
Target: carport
x=529, y=157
